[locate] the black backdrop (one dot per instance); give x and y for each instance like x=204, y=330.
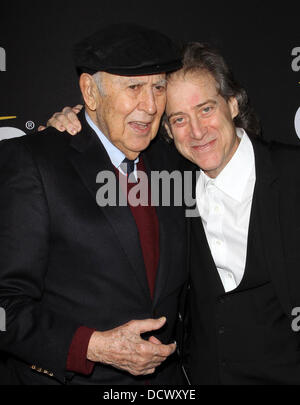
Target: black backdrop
x=259, y=40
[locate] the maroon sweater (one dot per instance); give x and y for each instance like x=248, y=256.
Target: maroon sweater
x=148, y=227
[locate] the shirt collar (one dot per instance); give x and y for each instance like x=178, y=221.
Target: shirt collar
x=234, y=177
x=115, y=155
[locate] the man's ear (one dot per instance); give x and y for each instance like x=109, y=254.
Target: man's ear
x=234, y=107
x=168, y=129
x=89, y=91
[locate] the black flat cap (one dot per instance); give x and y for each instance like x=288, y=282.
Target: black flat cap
x=127, y=50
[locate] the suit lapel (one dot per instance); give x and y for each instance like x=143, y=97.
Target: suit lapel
x=165, y=233
x=202, y=255
x=89, y=158
x=269, y=216
x=166, y=230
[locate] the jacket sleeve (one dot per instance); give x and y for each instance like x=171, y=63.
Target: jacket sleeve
x=35, y=334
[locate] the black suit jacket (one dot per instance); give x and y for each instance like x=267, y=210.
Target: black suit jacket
x=65, y=262
x=278, y=199
x=278, y=195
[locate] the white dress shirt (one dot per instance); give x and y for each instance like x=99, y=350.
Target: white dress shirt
x=224, y=204
x=116, y=156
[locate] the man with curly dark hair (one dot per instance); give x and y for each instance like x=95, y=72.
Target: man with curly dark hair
x=244, y=253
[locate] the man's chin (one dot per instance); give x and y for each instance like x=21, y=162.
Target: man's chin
x=207, y=167
x=141, y=144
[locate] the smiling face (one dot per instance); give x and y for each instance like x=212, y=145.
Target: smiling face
x=201, y=121
x=129, y=113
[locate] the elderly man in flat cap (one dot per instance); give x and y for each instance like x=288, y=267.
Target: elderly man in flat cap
x=91, y=293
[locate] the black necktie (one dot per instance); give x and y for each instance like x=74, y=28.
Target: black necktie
x=128, y=166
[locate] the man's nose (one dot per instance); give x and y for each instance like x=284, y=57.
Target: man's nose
x=148, y=102
x=199, y=130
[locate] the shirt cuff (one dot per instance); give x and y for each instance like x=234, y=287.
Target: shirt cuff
x=77, y=361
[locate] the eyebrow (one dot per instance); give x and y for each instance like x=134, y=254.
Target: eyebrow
x=196, y=106
x=135, y=81
x=161, y=82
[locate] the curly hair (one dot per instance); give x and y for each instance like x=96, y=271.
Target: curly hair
x=199, y=57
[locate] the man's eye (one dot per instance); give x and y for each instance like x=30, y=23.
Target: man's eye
x=160, y=88
x=178, y=121
x=207, y=110
x=134, y=86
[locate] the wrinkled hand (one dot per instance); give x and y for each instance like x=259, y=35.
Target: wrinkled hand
x=124, y=349
x=66, y=120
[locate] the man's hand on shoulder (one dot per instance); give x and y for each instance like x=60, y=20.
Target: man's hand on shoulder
x=66, y=120
x=124, y=349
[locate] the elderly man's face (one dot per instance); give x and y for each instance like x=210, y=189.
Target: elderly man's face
x=129, y=113
x=201, y=121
